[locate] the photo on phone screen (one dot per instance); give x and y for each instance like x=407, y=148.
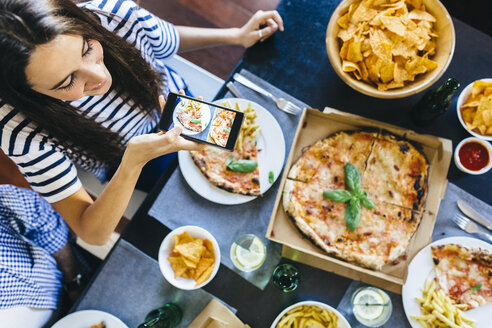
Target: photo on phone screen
x=202, y=121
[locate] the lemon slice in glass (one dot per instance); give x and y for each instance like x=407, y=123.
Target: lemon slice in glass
x=366, y=304
x=247, y=254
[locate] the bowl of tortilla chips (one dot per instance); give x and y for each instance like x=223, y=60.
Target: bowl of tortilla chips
x=474, y=108
x=189, y=257
x=388, y=48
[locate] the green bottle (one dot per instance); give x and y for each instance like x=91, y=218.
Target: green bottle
x=285, y=277
x=434, y=103
x=168, y=316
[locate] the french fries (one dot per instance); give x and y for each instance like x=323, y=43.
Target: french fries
x=440, y=310
x=249, y=128
x=305, y=316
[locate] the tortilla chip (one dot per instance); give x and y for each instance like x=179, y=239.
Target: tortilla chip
x=202, y=266
x=353, y=52
x=205, y=275
x=178, y=265
x=192, y=250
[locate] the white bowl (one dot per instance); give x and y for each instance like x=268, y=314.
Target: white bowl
x=342, y=322
x=166, y=248
x=461, y=99
x=460, y=166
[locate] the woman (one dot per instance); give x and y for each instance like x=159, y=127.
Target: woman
x=81, y=85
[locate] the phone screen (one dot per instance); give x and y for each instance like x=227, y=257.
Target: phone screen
x=202, y=121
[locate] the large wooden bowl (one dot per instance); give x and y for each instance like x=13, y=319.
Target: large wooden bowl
x=445, y=43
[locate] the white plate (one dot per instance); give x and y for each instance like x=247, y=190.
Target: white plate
x=342, y=322
x=422, y=267
x=87, y=318
x=271, y=158
x=461, y=99
x=166, y=248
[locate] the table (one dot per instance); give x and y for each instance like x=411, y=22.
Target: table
x=296, y=62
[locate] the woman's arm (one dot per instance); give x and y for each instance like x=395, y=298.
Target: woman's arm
x=94, y=221
x=259, y=27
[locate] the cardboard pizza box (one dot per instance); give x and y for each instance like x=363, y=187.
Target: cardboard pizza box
x=315, y=125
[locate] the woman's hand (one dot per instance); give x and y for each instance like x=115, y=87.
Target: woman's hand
x=146, y=147
x=260, y=27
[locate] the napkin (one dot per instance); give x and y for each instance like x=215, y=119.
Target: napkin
x=216, y=315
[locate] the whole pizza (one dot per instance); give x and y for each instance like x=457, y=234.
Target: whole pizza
x=358, y=195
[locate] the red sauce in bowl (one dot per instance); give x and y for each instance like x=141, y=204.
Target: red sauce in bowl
x=474, y=156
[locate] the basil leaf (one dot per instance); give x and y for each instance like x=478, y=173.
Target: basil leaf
x=476, y=287
x=229, y=160
x=243, y=165
x=232, y=121
x=198, y=120
x=271, y=177
x=352, y=177
x=339, y=195
x=352, y=214
x=227, y=130
x=367, y=202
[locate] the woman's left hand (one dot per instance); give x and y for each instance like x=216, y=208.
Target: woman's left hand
x=260, y=27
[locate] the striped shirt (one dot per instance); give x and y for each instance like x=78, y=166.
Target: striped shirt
x=30, y=232
x=44, y=164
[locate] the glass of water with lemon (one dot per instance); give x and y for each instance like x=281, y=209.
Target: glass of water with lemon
x=372, y=307
x=248, y=252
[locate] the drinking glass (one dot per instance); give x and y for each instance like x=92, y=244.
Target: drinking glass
x=372, y=307
x=167, y=316
x=286, y=277
x=248, y=252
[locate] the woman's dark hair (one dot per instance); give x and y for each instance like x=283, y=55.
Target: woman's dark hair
x=25, y=24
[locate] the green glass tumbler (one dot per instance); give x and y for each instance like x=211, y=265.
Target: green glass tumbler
x=168, y=316
x=286, y=277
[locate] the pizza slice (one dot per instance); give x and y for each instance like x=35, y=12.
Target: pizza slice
x=324, y=161
x=213, y=162
x=396, y=173
x=464, y=273
x=221, y=126
x=382, y=235
x=190, y=115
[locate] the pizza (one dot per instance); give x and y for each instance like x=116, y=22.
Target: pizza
x=213, y=162
x=391, y=190
x=191, y=115
x=464, y=273
x=221, y=126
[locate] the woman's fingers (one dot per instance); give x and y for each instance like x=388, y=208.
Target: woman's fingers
x=162, y=102
x=264, y=16
x=267, y=31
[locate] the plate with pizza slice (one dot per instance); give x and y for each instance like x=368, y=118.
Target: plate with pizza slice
x=240, y=176
x=460, y=267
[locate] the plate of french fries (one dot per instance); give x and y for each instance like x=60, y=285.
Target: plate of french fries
x=310, y=314
x=427, y=306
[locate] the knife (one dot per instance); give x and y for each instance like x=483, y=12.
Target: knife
x=465, y=208
x=233, y=90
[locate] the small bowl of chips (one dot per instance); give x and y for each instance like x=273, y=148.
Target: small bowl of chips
x=390, y=49
x=189, y=257
x=474, y=108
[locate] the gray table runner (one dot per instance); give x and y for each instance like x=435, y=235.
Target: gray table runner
x=443, y=228
x=131, y=284
x=179, y=205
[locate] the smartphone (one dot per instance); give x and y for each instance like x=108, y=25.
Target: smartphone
x=202, y=121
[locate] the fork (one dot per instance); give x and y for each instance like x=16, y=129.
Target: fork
x=470, y=227
x=285, y=105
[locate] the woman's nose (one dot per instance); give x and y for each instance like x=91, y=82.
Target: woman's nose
x=95, y=74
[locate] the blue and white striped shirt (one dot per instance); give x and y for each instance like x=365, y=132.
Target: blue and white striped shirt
x=48, y=170
x=30, y=231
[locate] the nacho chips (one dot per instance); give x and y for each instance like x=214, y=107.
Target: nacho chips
x=387, y=43
x=192, y=258
x=477, y=109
